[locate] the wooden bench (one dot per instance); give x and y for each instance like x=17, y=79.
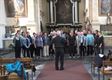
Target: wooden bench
x=14, y=76
x=3, y=74
x=106, y=72
x=96, y=63
x=10, y=60
x=25, y=61
x=93, y=69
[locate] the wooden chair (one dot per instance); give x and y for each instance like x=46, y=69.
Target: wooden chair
x=3, y=74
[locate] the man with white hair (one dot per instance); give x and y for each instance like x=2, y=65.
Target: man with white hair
x=59, y=43
x=58, y=33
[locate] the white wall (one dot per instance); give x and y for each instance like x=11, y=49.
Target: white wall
x=2, y=22
x=32, y=21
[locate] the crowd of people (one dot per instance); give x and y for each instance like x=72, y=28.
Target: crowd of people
x=81, y=43
x=58, y=43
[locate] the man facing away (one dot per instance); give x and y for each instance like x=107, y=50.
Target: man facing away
x=59, y=43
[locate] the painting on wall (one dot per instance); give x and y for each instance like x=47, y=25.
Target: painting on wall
x=105, y=7
x=16, y=8
x=63, y=12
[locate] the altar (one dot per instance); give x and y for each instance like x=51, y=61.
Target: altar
x=107, y=33
x=7, y=43
x=64, y=14
x=108, y=40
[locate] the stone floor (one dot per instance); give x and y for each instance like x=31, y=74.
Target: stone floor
x=40, y=64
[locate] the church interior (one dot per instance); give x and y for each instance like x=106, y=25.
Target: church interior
x=56, y=17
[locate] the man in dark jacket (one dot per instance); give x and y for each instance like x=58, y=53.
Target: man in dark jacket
x=99, y=60
x=59, y=43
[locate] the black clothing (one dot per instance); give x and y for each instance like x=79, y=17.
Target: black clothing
x=96, y=43
x=31, y=48
x=30, y=38
x=59, y=44
x=99, y=44
x=59, y=58
x=72, y=45
x=99, y=60
x=90, y=50
x=17, y=43
x=72, y=40
x=51, y=50
x=101, y=41
x=82, y=50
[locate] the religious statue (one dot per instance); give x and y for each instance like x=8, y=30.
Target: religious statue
x=88, y=24
x=108, y=20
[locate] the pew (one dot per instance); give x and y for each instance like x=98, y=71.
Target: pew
x=106, y=72
x=3, y=73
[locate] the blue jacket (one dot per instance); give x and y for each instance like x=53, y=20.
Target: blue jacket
x=25, y=43
x=17, y=68
x=39, y=41
x=90, y=39
x=46, y=40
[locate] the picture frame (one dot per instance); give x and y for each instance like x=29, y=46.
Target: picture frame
x=63, y=13
x=16, y=8
x=105, y=7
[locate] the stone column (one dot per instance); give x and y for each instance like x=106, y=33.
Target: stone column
x=76, y=12
x=51, y=12
x=95, y=17
x=73, y=11
x=37, y=15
